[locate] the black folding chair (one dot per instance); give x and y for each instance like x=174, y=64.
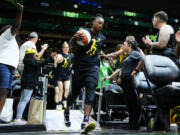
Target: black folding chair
x=162, y=71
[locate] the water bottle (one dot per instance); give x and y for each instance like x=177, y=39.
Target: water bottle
x=174, y=128
x=152, y=122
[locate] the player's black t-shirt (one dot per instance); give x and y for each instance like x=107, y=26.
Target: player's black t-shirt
x=64, y=68
x=87, y=56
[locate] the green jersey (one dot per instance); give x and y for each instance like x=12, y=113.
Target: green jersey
x=105, y=70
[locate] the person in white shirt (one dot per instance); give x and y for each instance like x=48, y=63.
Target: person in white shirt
x=31, y=43
x=9, y=55
x=165, y=41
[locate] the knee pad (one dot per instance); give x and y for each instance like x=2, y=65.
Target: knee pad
x=89, y=100
x=90, y=91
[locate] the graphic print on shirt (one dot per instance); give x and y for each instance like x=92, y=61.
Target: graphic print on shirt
x=65, y=62
x=93, y=47
x=105, y=72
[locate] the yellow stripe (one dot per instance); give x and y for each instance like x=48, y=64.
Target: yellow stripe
x=173, y=118
x=170, y=113
x=122, y=55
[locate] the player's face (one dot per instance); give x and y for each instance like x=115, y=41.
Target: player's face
x=65, y=48
x=98, y=24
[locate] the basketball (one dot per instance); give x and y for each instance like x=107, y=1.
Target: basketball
x=86, y=37
x=59, y=58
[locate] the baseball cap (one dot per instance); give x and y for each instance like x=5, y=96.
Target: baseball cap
x=33, y=35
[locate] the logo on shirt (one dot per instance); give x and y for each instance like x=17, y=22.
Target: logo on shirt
x=65, y=62
x=105, y=73
x=93, y=47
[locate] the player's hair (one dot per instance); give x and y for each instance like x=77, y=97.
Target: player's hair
x=97, y=16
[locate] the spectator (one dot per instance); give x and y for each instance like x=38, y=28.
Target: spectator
x=105, y=70
x=165, y=42
x=9, y=55
x=31, y=43
x=122, y=54
x=130, y=66
x=120, y=57
x=29, y=81
x=178, y=44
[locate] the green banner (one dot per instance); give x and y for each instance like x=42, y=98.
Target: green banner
x=14, y=2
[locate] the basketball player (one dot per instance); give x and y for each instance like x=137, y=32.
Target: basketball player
x=86, y=70
x=63, y=78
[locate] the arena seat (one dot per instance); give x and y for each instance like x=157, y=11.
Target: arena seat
x=113, y=103
x=162, y=71
x=148, y=108
x=115, y=99
x=140, y=83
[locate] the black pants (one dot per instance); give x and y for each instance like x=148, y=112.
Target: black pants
x=84, y=77
x=132, y=101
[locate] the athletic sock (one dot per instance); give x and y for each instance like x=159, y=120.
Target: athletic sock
x=86, y=119
x=60, y=103
x=66, y=114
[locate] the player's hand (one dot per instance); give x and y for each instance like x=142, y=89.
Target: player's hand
x=55, y=60
x=177, y=36
x=78, y=36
